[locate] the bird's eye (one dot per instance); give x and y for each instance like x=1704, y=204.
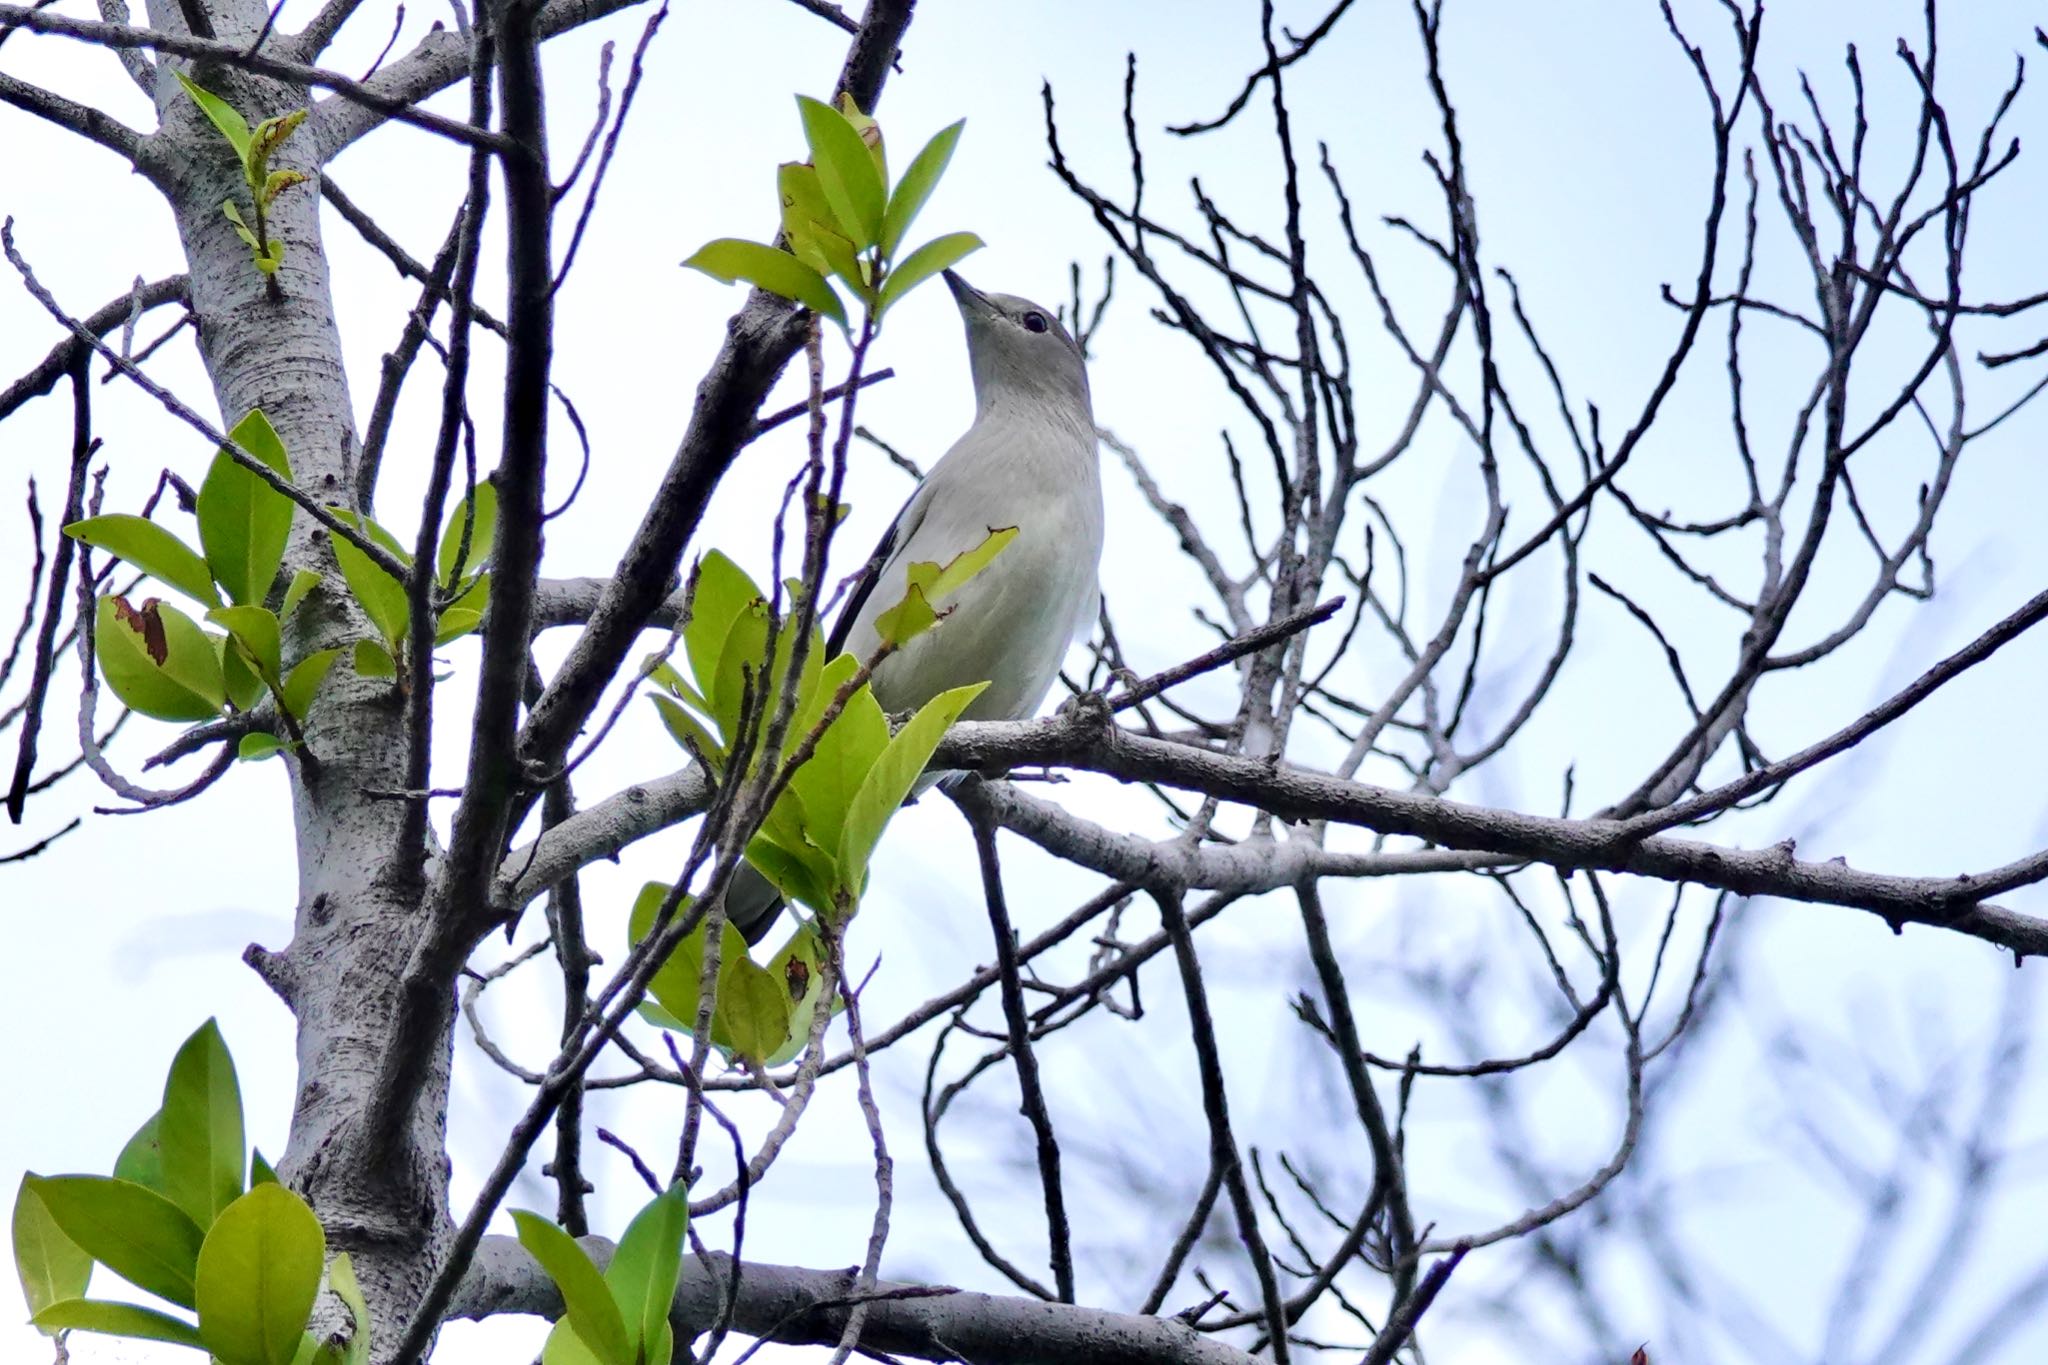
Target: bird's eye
x=1035, y=322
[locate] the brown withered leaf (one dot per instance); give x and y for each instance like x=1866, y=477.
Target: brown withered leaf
x=1641, y=1356
x=148, y=623
x=797, y=974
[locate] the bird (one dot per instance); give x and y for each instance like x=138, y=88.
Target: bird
x=1028, y=461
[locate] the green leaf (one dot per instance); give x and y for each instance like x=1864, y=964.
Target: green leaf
x=690, y=732
x=372, y=660
x=840, y=259
x=801, y=874
x=482, y=536
x=778, y=272
x=51, y=1266
x=234, y=215
x=891, y=779
x=908, y=619
x=455, y=623
x=255, y=747
x=800, y=969
x=940, y=253
x=341, y=1278
x=719, y=591
x=869, y=130
x=260, y=1172
x=303, y=582
x=133, y=1231
x=564, y=1347
x=846, y=172
x=591, y=1311
x=118, y=1320
x=653, y=1013
x=930, y=584
x=277, y=182
x=382, y=596
x=142, y=1160
x=243, y=521
x=676, y=981
x=803, y=207
x=232, y=125
x=264, y=142
x=256, y=629
x=752, y=1008
x=270, y=257
x=150, y=548
x=200, y=1127
x=742, y=657
x=303, y=682
x=642, y=1275
x=158, y=661
x=259, y=1272
x=916, y=186
x=237, y=673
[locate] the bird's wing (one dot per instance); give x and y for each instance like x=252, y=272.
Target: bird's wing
x=886, y=552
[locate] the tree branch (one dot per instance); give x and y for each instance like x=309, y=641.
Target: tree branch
x=793, y=1305
x=44, y=377
x=82, y=119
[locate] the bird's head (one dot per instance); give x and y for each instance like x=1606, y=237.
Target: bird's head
x=1020, y=353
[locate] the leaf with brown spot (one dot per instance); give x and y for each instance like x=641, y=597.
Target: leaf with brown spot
x=149, y=624
x=797, y=973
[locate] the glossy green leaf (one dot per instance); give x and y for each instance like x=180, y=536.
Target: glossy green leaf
x=891, y=780
x=752, y=1009
x=843, y=756
x=591, y=1311
x=642, y=1275
x=118, y=1320
x=911, y=617
x=303, y=582
x=264, y=141
x=234, y=215
x=243, y=521
x=803, y=204
x=257, y=630
x=257, y=746
x=51, y=1266
x=341, y=1278
x=719, y=591
x=238, y=674
x=260, y=1172
x=846, y=172
x=800, y=967
x=653, y=1013
x=224, y=116
x=259, y=1272
x=372, y=660
x=157, y=660
x=730, y=258
x=931, y=586
x=740, y=661
x=869, y=130
x=382, y=597
x=564, y=1347
x=675, y=983
x=150, y=548
x=455, y=623
x=940, y=253
x=302, y=684
x=200, y=1127
x=801, y=874
x=142, y=1159
x=483, y=534
x=277, y=182
x=840, y=259
x=920, y=178
x=131, y=1230
x=690, y=732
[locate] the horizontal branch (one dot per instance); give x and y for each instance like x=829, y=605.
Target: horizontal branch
x=375, y=98
x=571, y=602
x=1470, y=837
x=82, y=119
x=439, y=60
x=1079, y=739
x=797, y=1306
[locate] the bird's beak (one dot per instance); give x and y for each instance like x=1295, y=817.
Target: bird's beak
x=971, y=300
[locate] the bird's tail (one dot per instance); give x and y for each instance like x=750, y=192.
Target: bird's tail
x=752, y=904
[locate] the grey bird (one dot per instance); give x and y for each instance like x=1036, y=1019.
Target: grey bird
x=1029, y=461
